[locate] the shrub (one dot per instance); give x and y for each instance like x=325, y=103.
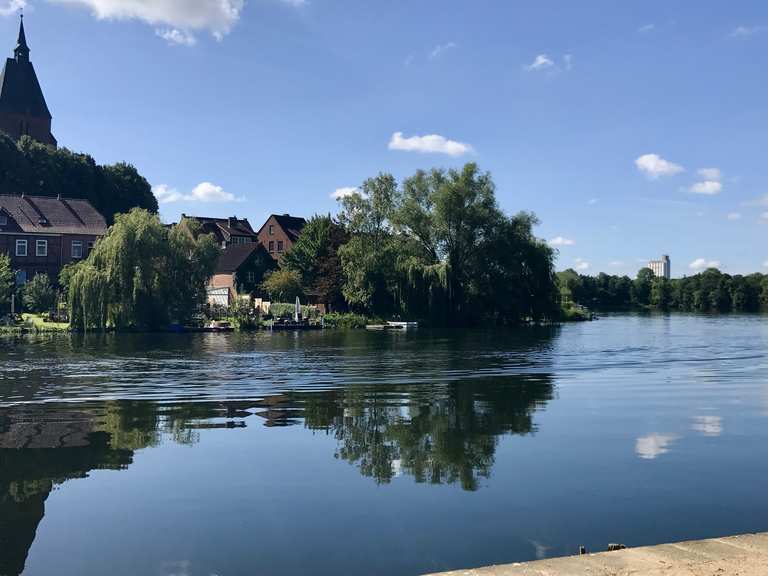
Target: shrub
x=346, y=321
x=38, y=294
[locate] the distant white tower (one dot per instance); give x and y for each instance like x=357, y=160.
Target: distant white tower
x=661, y=268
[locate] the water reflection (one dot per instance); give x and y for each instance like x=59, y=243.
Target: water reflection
x=436, y=434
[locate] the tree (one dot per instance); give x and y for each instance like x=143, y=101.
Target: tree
x=369, y=258
x=661, y=293
x=641, y=287
x=7, y=279
x=141, y=275
x=315, y=257
x=38, y=294
x=282, y=285
x=28, y=167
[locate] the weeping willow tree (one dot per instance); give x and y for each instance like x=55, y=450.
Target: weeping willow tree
x=141, y=275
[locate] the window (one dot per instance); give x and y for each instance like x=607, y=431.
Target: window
x=77, y=249
x=251, y=277
x=271, y=245
x=41, y=248
x=271, y=230
x=3, y=220
x=21, y=277
x=21, y=247
x=280, y=246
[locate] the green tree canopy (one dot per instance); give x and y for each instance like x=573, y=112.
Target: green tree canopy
x=282, y=285
x=37, y=170
x=440, y=247
x=315, y=257
x=38, y=294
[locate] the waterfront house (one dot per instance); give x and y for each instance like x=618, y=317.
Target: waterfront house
x=43, y=234
x=279, y=233
x=240, y=270
x=230, y=231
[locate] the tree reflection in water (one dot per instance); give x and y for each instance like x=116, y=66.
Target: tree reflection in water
x=437, y=434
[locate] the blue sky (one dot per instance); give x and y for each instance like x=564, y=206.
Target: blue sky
x=631, y=129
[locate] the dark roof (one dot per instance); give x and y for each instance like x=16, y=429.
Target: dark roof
x=20, y=92
x=232, y=257
x=46, y=215
x=292, y=225
x=224, y=227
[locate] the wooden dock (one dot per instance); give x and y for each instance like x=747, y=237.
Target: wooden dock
x=745, y=555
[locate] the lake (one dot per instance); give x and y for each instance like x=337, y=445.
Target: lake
x=377, y=453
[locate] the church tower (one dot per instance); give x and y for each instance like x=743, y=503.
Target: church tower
x=23, y=110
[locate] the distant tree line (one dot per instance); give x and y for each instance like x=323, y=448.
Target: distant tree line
x=709, y=291
x=436, y=247
x=28, y=167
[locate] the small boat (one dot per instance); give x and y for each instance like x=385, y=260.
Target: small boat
x=403, y=325
x=393, y=326
x=219, y=326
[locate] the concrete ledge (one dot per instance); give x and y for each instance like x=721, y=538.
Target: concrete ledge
x=745, y=555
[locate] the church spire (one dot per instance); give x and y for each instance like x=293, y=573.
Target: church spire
x=22, y=50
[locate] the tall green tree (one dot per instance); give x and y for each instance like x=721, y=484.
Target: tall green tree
x=315, y=257
x=369, y=258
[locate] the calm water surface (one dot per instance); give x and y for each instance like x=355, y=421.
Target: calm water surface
x=377, y=453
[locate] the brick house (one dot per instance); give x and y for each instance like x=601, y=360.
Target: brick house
x=240, y=270
x=279, y=233
x=43, y=234
x=231, y=231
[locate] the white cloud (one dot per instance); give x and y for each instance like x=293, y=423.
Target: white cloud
x=439, y=49
x=216, y=16
x=762, y=201
x=541, y=62
x=703, y=264
x=746, y=31
x=581, y=265
x=616, y=263
x=593, y=201
x=10, y=7
x=560, y=241
x=203, y=192
x=764, y=216
x=708, y=425
x=432, y=143
x=765, y=264
x=568, y=61
x=708, y=188
x=654, y=445
x=654, y=166
x=711, y=174
x=340, y=193
x=646, y=28
x=176, y=37
x=733, y=216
